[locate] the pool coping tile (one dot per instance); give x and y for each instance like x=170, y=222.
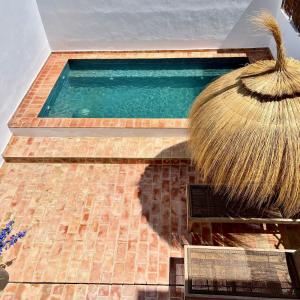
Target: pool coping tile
x=26, y=115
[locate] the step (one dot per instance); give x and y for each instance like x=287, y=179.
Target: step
x=97, y=149
x=142, y=82
x=149, y=73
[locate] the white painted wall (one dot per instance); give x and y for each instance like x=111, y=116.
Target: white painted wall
x=151, y=24
x=24, y=49
x=245, y=34
x=291, y=37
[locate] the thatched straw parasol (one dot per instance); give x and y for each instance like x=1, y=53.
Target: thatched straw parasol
x=245, y=130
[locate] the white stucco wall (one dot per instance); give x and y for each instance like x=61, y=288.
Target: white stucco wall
x=291, y=37
x=24, y=49
x=151, y=24
x=245, y=34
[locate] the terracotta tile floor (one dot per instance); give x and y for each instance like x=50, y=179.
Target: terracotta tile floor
x=101, y=224
x=55, y=148
x=106, y=230
x=91, y=292
x=91, y=223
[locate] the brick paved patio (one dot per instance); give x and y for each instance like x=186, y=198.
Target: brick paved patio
x=96, y=149
x=102, y=224
x=91, y=292
x=107, y=216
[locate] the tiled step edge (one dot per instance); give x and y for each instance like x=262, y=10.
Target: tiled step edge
x=99, y=160
x=97, y=150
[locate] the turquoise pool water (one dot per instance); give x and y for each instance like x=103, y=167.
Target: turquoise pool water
x=133, y=88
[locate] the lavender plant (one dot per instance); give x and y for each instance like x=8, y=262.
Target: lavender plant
x=7, y=241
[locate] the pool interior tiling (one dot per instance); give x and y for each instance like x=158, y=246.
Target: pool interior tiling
x=107, y=216
x=27, y=114
x=133, y=88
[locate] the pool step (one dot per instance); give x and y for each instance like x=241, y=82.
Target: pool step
x=196, y=72
x=144, y=78
x=97, y=150
x=142, y=82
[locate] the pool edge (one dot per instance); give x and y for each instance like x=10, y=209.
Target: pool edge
x=26, y=115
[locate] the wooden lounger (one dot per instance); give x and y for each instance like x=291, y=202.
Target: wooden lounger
x=237, y=273
x=205, y=206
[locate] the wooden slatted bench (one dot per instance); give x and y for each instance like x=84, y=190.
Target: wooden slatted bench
x=204, y=206
x=238, y=273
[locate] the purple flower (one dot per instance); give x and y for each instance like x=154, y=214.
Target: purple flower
x=6, y=231
x=7, y=243
x=14, y=238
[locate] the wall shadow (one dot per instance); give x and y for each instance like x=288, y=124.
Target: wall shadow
x=245, y=28
x=174, y=290
x=161, y=293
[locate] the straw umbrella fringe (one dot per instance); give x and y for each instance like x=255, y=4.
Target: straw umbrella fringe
x=245, y=127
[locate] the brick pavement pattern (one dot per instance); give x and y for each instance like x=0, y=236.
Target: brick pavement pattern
x=100, y=223
x=106, y=216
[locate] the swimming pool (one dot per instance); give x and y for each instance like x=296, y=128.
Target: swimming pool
x=132, y=88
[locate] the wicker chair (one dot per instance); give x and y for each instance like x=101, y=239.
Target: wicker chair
x=237, y=273
x=204, y=206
